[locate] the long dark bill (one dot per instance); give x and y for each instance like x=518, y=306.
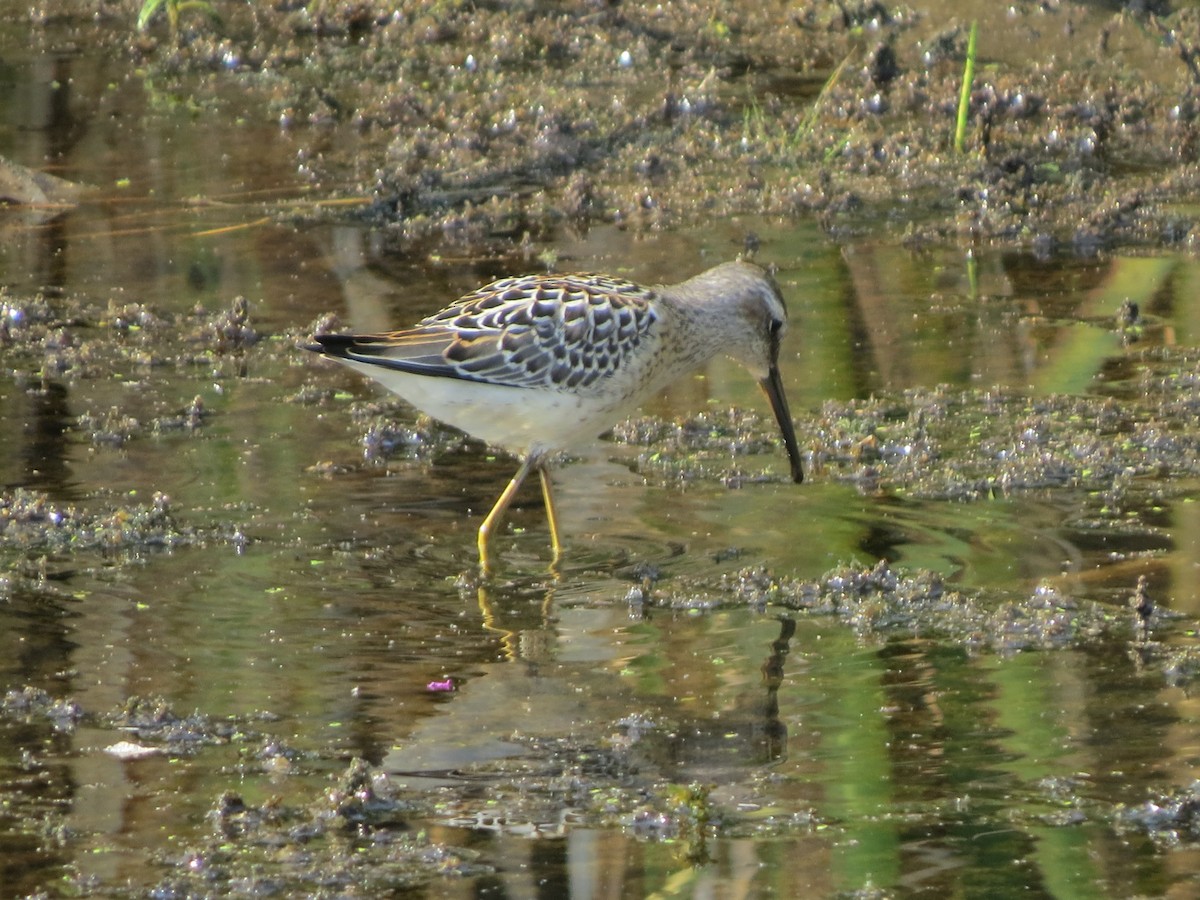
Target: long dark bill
x=772, y=386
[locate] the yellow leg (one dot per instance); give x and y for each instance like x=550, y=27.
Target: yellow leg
x=551, y=514
x=497, y=513
x=509, y=640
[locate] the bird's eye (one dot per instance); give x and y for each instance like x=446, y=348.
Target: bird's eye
x=775, y=327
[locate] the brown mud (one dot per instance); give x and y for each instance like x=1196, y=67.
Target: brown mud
x=493, y=122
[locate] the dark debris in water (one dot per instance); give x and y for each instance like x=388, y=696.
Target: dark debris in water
x=29, y=703
x=1171, y=819
x=150, y=721
x=384, y=436
x=351, y=840
x=709, y=446
x=882, y=601
x=229, y=330
x=347, y=837
x=52, y=336
x=958, y=445
x=30, y=523
x=115, y=427
x=153, y=721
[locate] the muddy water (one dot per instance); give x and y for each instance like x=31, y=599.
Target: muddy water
x=256, y=595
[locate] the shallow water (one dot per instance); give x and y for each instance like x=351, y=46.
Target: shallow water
x=567, y=737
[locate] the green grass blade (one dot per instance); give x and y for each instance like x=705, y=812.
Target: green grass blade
x=200, y=6
x=149, y=8
x=964, y=96
x=806, y=126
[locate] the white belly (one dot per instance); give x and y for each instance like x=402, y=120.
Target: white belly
x=519, y=420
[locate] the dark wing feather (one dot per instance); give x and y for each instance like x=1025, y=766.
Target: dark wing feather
x=414, y=350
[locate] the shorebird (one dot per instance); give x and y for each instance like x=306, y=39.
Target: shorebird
x=538, y=363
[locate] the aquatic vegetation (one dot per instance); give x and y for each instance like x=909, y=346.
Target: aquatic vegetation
x=174, y=9
x=964, y=97
x=808, y=125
